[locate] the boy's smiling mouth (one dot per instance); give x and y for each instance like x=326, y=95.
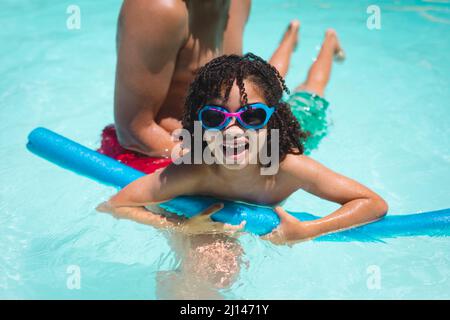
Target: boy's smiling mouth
x=235, y=149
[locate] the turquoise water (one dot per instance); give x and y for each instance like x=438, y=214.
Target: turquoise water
x=389, y=111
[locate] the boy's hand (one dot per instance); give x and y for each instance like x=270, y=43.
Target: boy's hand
x=289, y=230
x=203, y=224
x=106, y=207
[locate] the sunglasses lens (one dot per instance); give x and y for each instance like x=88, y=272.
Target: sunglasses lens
x=212, y=118
x=254, y=116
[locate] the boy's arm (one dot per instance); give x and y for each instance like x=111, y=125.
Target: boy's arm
x=137, y=214
x=129, y=203
x=359, y=205
x=163, y=185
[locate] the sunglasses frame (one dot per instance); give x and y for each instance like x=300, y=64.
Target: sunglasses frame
x=228, y=115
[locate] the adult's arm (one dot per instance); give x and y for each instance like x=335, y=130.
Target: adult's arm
x=150, y=34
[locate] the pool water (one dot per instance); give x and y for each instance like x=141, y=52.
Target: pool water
x=389, y=112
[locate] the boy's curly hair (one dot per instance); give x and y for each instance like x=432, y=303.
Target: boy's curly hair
x=215, y=80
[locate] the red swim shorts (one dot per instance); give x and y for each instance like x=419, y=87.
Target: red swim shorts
x=111, y=147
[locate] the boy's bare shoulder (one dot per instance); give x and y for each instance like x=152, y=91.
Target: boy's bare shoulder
x=298, y=166
x=294, y=162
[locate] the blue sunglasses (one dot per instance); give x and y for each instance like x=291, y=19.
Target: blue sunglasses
x=251, y=116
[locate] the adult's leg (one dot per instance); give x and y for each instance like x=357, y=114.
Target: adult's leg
x=282, y=55
x=320, y=70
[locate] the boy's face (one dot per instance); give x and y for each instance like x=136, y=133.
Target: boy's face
x=238, y=146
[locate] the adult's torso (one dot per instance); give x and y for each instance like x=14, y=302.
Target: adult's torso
x=204, y=42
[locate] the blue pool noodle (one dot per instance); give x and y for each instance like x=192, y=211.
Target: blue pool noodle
x=260, y=220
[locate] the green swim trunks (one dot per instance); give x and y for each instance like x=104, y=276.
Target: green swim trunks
x=310, y=110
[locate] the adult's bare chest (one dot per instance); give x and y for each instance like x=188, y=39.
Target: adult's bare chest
x=195, y=54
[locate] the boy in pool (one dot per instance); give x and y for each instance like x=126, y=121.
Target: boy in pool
x=234, y=95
